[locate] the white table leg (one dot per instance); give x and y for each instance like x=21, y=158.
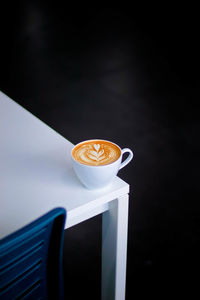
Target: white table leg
x=114, y=249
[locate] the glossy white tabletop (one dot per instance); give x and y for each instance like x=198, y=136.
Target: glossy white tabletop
x=36, y=173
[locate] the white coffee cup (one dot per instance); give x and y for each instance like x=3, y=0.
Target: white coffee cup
x=96, y=177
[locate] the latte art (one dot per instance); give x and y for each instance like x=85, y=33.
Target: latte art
x=96, y=153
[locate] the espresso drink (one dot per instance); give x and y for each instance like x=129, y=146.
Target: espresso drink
x=96, y=153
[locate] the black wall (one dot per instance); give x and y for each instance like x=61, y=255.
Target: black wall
x=129, y=76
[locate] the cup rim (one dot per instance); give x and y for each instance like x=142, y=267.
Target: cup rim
x=101, y=166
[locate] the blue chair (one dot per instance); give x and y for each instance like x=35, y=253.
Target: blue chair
x=31, y=259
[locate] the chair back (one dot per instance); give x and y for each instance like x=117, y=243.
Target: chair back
x=31, y=259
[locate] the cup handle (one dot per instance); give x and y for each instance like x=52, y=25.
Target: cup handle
x=129, y=158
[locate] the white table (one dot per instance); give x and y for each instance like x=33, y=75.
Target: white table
x=36, y=176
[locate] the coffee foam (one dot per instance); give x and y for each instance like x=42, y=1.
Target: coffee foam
x=96, y=153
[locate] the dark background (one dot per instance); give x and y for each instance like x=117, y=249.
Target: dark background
x=130, y=76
